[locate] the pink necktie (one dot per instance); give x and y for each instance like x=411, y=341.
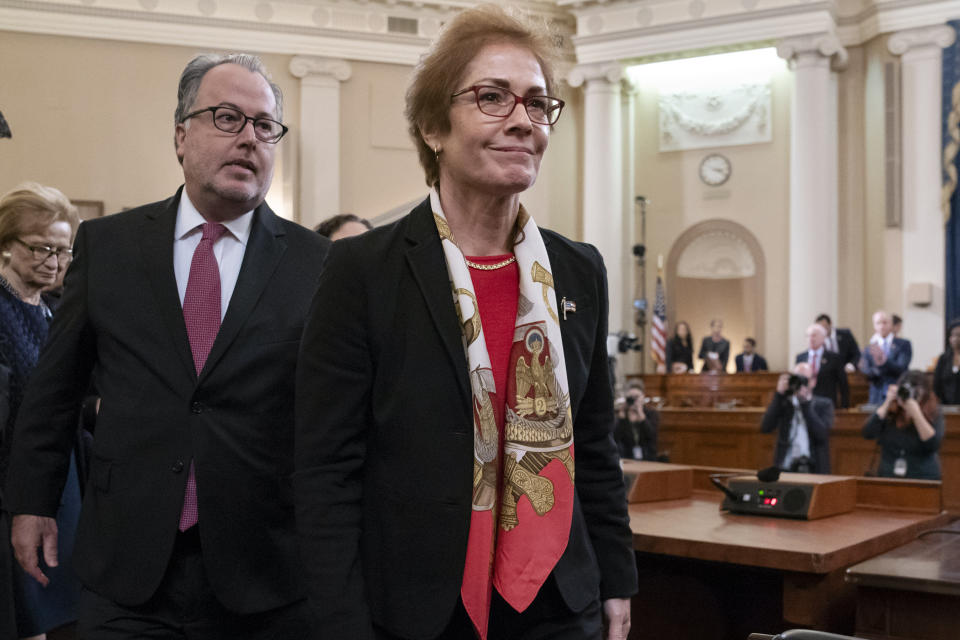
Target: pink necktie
x=201, y=313
x=813, y=365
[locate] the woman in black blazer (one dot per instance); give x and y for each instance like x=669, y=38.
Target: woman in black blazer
x=680, y=349
x=456, y=475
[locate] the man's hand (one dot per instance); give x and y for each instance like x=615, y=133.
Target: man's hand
x=616, y=615
x=27, y=534
x=878, y=356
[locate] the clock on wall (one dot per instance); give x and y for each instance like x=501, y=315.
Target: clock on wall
x=715, y=169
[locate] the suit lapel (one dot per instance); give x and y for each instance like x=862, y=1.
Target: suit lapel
x=429, y=268
x=156, y=246
x=264, y=248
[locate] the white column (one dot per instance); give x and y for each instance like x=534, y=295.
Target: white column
x=814, y=189
x=320, y=80
x=922, y=233
x=603, y=212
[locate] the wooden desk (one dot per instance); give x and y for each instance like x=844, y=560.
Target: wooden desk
x=911, y=592
x=732, y=438
x=735, y=574
x=739, y=389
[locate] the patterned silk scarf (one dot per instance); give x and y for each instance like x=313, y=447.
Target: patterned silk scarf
x=522, y=503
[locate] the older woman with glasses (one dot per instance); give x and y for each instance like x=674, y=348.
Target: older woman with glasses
x=456, y=471
x=37, y=225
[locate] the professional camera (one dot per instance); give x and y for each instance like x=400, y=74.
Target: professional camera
x=795, y=383
x=906, y=391
x=631, y=400
x=628, y=342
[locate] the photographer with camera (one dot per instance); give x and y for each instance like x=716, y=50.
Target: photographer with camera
x=802, y=421
x=908, y=428
x=637, y=425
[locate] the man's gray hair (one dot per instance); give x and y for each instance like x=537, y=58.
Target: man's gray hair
x=198, y=67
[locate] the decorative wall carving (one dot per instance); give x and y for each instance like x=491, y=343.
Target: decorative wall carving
x=715, y=117
x=717, y=254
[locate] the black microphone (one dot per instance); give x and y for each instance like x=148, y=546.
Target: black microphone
x=715, y=479
x=770, y=474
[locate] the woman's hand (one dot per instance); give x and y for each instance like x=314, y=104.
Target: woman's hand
x=888, y=402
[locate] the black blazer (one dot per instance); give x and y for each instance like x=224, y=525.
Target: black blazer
x=847, y=347
x=384, y=450
x=832, y=382
x=759, y=363
x=122, y=321
x=818, y=416
x=676, y=351
x=723, y=351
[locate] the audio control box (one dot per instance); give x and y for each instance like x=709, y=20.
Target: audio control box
x=804, y=496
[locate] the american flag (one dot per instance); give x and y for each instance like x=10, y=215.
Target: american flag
x=658, y=329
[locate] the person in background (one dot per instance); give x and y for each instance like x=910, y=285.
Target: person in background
x=802, y=421
x=946, y=375
x=897, y=325
x=187, y=313
x=37, y=225
x=908, y=428
x=343, y=225
x=826, y=368
x=749, y=360
x=840, y=341
x=715, y=349
x=456, y=471
x=679, y=350
x=637, y=425
x=885, y=358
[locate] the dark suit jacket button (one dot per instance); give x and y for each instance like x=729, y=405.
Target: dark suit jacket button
x=177, y=466
x=196, y=407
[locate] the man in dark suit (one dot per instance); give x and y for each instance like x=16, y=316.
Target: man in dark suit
x=885, y=357
x=842, y=342
x=826, y=368
x=188, y=314
x=749, y=360
x=802, y=421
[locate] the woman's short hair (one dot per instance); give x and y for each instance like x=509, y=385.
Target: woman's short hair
x=435, y=78
x=330, y=226
x=31, y=208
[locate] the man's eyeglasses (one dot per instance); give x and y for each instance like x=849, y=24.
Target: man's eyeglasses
x=41, y=252
x=500, y=102
x=233, y=120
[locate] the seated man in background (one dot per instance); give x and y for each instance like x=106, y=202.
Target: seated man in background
x=750, y=360
x=842, y=342
x=826, y=367
x=637, y=425
x=802, y=421
x=885, y=358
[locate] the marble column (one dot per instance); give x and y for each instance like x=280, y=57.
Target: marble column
x=319, y=135
x=603, y=197
x=922, y=232
x=814, y=185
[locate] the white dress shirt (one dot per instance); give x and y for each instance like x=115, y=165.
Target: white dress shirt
x=819, y=355
x=228, y=250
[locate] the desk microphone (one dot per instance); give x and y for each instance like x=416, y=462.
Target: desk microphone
x=716, y=480
x=770, y=474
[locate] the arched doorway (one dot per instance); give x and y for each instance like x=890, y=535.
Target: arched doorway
x=716, y=269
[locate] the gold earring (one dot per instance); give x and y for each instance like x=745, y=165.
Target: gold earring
x=436, y=153
x=6, y=255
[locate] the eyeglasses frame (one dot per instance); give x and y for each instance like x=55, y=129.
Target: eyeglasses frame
x=517, y=100
x=213, y=110
x=66, y=252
